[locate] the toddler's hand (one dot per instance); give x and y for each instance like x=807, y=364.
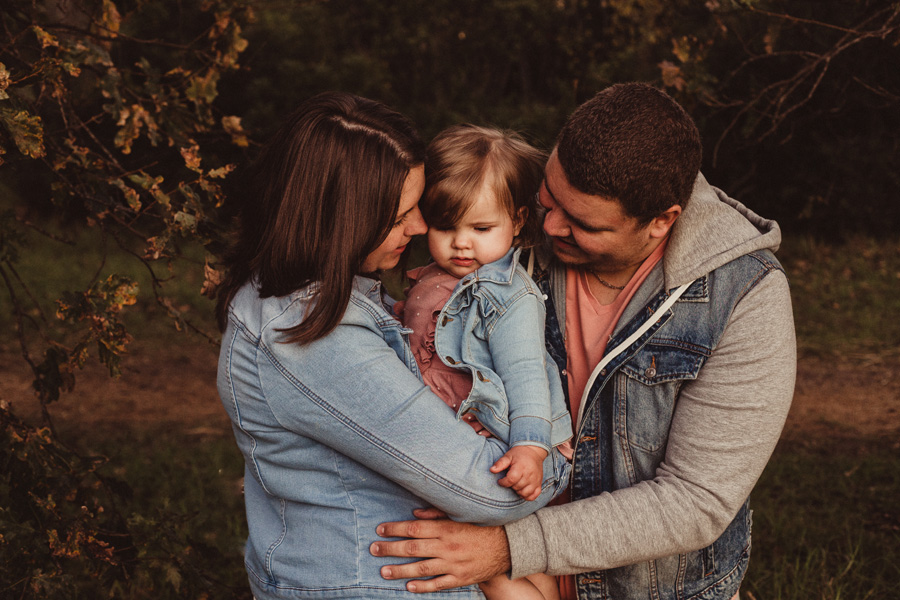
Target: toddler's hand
x=525, y=470
x=399, y=307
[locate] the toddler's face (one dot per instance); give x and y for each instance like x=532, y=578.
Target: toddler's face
x=484, y=234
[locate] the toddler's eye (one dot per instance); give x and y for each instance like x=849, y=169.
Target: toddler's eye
x=483, y=229
x=400, y=221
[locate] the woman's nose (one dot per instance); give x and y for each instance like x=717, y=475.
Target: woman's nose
x=415, y=224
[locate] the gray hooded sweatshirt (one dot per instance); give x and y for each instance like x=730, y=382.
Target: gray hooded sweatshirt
x=726, y=422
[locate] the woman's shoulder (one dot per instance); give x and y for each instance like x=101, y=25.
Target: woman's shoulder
x=255, y=313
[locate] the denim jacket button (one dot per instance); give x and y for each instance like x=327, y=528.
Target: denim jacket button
x=450, y=360
x=650, y=373
x=603, y=373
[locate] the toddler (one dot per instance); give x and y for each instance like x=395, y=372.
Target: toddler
x=478, y=318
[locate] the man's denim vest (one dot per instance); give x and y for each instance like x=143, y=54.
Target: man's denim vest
x=625, y=427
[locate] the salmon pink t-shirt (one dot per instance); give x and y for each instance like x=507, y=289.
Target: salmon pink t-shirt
x=589, y=325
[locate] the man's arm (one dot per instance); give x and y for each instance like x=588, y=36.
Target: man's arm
x=724, y=429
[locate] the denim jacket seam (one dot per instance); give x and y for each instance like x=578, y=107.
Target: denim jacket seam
x=239, y=328
x=270, y=551
x=769, y=267
x=379, y=316
x=507, y=305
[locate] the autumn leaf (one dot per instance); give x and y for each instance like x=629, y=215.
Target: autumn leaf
x=4, y=82
x=192, y=158
x=212, y=278
x=221, y=171
x=232, y=126
x=110, y=19
x=204, y=89
x=26, y=130
x=671, y=75
x=46, y=39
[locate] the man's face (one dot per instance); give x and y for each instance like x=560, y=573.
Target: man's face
x=593, y=232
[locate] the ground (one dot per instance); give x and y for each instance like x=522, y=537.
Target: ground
x=174, y=388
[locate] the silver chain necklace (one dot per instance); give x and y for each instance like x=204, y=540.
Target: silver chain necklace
x=608, y=284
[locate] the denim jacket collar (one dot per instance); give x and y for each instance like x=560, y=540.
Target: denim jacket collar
x=368, y=287
x=500, y=271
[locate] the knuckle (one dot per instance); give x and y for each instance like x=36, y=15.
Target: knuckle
x=422, y=569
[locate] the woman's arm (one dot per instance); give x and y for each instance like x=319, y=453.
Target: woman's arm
x=351, y=392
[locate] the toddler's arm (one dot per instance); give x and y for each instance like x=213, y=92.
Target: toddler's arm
x=524, y=470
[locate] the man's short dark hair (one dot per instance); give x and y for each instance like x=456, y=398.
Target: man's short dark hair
x=635, y=144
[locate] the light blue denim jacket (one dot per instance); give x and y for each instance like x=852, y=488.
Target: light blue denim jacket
x=339, y=435
x=493, y=326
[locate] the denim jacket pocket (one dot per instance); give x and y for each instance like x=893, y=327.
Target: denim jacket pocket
x=646, y=390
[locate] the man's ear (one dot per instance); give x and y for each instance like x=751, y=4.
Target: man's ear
x=519, y=221
x=660, y=226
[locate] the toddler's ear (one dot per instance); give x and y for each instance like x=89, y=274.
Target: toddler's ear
x=521, y=216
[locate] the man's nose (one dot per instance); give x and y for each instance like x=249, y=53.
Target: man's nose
x=555, y=225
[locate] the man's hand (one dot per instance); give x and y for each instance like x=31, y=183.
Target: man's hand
x=525, y=464
x=457, y=554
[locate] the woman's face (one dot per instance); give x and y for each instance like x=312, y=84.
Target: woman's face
x=409, y=223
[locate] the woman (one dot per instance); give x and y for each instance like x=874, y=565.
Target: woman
x=337, y=431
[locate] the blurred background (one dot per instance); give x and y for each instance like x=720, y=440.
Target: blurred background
x=124, y=125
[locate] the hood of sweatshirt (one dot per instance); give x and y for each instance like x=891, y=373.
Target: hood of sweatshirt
x=713, y=230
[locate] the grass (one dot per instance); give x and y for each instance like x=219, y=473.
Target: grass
x=844, y=295
x=827, y=522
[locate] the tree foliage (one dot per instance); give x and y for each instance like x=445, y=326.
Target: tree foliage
x=107, y=120
x=797, y=100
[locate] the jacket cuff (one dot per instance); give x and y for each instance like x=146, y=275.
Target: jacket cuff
x=527, y=552
x=530, y=431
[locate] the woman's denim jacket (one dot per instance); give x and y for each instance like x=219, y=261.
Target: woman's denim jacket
x=625, y=424
x=340, y=435
x=493, y=326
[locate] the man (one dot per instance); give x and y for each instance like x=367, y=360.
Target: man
x=671, y=322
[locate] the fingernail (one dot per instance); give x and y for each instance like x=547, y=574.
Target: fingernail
x=380, y=530
x=376, y=549
x=411, y=586
x=386, y=572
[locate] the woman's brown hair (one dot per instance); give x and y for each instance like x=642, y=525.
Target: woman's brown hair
x=321, y=196
x=462, y=158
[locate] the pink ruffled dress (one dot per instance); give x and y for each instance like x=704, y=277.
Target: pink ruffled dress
x=431, y=289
